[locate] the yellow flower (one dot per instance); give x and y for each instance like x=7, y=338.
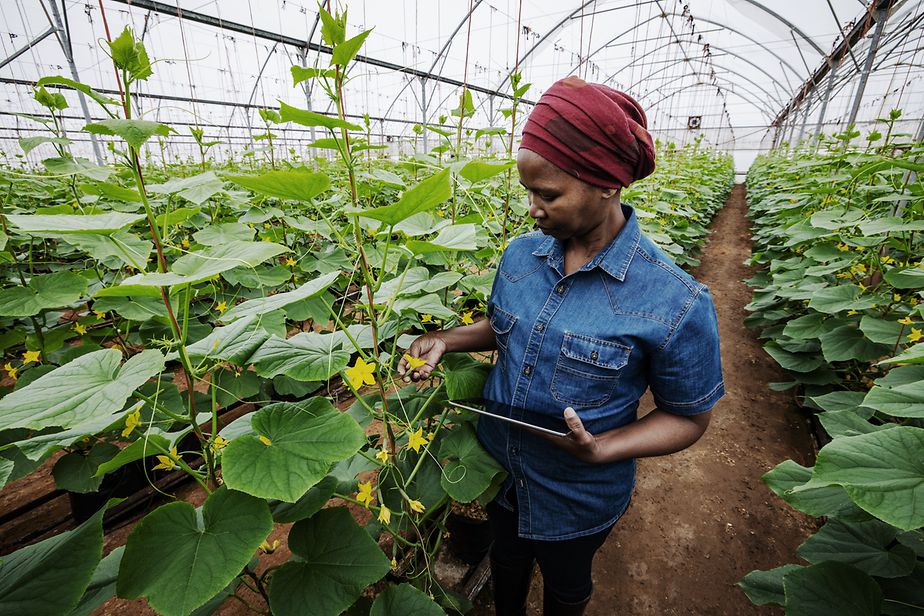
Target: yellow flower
x=913, y=301
x=382, y=456
x=905, y=321
x=426, y=318
x=915, y=335
x=266, y=225
x=896, y=297
x=467, y=318
x=31, y=356
x=268, y=548
x=265, y=440
x=364, y=495
x=219, y=443
x=221, y=307
x=416, y=440
x=414, y=362
x=100, y=315
x=185, y=243
x=862, y=286
x=132, y=421
x=10, y=370
x=430, y=436
x=416, y=506
x=168, y=462
x=360, y=373
x=80, y=329
x=385, y=515
x=843, y=275
x=888, y=260
x=850, y=313
x=394, y=564
x=290, y=262
x=843, y=247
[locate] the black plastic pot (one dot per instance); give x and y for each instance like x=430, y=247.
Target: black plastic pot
x=469, y=539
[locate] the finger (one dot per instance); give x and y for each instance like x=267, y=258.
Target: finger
x=574, y=423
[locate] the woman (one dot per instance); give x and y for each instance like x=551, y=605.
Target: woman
x=585, y=314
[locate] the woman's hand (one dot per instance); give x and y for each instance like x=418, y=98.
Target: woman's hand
x=579, y=442
x=430, y=348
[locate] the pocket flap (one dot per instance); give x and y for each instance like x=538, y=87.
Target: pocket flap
x=595, y=351
x=501, y=320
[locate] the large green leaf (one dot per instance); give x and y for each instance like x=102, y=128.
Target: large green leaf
x=179, y=557
x=134, y=132
x=202, y=265
x=423, y=197
x=405, y=600
x=295, y=185
x=808, y=326
x=848, y=423
x=235, y=343
x=310, y=118
x=883, y=331
x=92, y=385
x=426, y=304
x=304, y=440
x=48, y=578
x=911, y=355
x=197, y=188
x=453, y=237
x=76, y=471
x=898, y=401
x=869, y=546
x=120, y=248
x=763, y=587
x=56, y=290
x=309, y=504
x=465, y=376
x=792, y=361
x=470, y=470
x=476, y=171
x=58, y=80
x=831, y=589
x=839, y=400
x=75, y=166
x=102, y=585
x=73, y=223
x=848, y=343
x=112, y=191
x=910, y=278
x=281, y=300
x=304, y=357
x=215, y=235
x=334, y=560
x=347, y=50
x=30, y=143
x=842, y=297
x=881, y=472
x=828, y=500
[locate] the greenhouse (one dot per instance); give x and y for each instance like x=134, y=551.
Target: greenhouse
x=478, y=307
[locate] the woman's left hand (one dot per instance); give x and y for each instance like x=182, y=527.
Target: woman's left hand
x=578, y=442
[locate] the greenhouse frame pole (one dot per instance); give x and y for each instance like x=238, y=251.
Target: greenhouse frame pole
x=835, y=62
x=808, y=105
x=41, y=37
x=881, y=16
x=65, y=42
x=423, y=112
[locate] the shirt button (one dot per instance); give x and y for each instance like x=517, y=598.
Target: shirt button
x=528, y=370
x=521, y=483
x=540, y=327
x=594, y=356
x=560, y=289
x=514, y=450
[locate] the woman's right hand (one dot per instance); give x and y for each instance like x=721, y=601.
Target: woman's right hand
x=430, y=347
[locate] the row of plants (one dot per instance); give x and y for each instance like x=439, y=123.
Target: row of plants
x=838, y=299
x=142, y=301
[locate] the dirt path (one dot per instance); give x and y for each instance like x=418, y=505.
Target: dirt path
x=702, y=519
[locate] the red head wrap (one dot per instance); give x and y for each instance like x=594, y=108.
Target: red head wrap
x=593, y=132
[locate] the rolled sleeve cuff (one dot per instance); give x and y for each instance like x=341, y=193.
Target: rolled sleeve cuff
x=693, y=407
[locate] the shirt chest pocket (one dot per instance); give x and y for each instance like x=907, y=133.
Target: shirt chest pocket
x=502, y=323
x=587, y=370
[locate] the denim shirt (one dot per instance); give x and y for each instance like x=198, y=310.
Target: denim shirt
x=593, y=340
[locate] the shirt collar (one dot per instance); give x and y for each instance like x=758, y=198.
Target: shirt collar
x=615, y=257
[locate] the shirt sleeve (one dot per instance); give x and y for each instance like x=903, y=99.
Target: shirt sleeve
x=685, y=375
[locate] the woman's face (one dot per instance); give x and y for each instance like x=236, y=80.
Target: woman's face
x=562, y=205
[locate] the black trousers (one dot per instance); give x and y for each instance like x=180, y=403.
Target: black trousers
x=565, y=565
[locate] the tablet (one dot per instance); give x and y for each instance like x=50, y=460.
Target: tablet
x=524, y=424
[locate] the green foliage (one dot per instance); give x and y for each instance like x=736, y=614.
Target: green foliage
x=838, y=300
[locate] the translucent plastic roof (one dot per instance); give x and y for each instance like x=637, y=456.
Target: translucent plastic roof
x=725, y=69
